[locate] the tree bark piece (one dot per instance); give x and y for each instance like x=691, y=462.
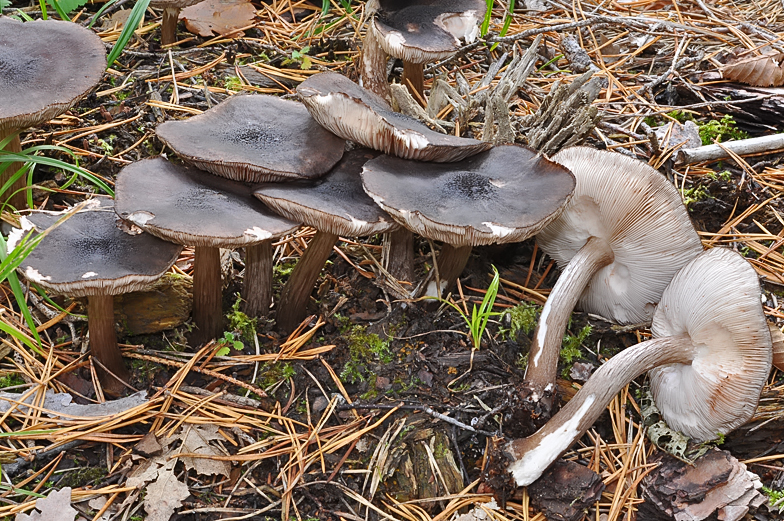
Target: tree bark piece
x=565, y=491
x=207, y=296
x=103, y=342
x=296, y=293
x=165, y=305
x=257, y=286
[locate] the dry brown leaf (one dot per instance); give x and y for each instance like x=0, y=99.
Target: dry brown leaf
x=54, y=507
x=222, y=17
x=164, y=495
x=196, y=440
x=760, y=71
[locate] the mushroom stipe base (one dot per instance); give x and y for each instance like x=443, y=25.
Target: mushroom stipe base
x=103, y=343
x=257, y=286
x=207, y=311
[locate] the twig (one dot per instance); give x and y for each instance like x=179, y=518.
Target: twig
x=757, y=145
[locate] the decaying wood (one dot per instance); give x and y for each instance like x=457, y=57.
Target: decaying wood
x=565, y=491
x=566, y=115
x=757, y=145
x=165, y=305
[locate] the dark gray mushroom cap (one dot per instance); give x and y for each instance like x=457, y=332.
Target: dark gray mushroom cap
x=335, y=204
x=255, y=139
x=91, y=254
x=188, y=206
x=45, y=67
x=503, y=195
x=422, y=31
x=346, y=109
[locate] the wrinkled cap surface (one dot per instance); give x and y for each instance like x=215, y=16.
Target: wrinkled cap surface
x=505, y=194
x=45, y=67
x=422, y=31
x=188, y=206
x=336, y=203
x=255, y=139
x=351, y=112
x=640, y=214
x=91, y=253
x=715, y=301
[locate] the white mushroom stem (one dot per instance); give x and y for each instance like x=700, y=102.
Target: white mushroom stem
x=207, y=309
x=374, y=65
x=169, y=25
x=546, y=345
x=103, y=342
x=532, y=455
x=257, y=285
x=16, y=192
x=296, y=293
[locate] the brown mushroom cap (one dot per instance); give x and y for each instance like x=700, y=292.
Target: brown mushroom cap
x=177, y=4
x=715, y=300
x=256, y=139
x=423, y=31
x=90, y=254
x=38, y=80
x=505, y=194
x=336, y=203
x=188, y=206
x=351, y=112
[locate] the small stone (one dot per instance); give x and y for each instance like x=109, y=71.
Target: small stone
x=319, y=404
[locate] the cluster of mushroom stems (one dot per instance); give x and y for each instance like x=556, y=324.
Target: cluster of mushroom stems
x=257, y=167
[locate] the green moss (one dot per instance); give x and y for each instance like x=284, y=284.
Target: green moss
x=11, y=380
x=364, y=348
x=720, y=130
x=521, y=318
x=695, y=194
x=82, y=477
x=570, y=347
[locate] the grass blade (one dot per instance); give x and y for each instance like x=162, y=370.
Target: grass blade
x=134, y=19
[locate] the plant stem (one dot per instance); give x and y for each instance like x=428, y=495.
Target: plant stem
x=296, y=294
x=103, y=342
x=257, y=286
x=15, y=146
x=207, y=309
x=532, y=455
x=546, y=344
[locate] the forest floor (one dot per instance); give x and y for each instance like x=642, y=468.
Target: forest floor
x=344, y=419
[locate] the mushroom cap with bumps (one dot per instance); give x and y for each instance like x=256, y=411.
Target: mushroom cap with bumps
x=254, y=138
x=354, y=113
x=188, y=206
x=715, y=300
x=640, y=214
x=422, y=31
x=46, y=66
x=505, y=194
x=92, y=253
x=336, y=203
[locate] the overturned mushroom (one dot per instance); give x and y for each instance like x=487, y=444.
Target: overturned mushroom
x=39, y=82
x=416, y=31
x=188, y=206
x=711, y=350
x=503, y=195
x=335, y=205
x=351, y=112
x=255, y=139
x=619, y=241
x=89, y=255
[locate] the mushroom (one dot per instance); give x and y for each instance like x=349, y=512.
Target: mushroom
x=39, y=81
x=335, y=205
x=254, y=139
x=351, y=112
x=89, y=255
x=620, y=240
x=709, y=358
x=188, y=206
x=778, y=347
x=416, y=31
x=477, y=201
x=171, y=14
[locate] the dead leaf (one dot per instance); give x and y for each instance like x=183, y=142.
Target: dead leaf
x=760, y=71
x=55, y=507
x=222, y=17
x=164, y=495
x=196, y=440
